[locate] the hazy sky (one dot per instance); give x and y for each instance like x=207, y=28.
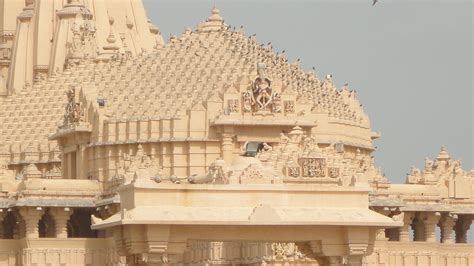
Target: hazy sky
x=410, y=62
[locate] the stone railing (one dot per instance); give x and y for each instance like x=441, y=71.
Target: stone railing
x=53, y=251
x=420, y=254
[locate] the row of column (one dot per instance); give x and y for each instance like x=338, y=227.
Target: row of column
x=26, y=221
x=424, y=225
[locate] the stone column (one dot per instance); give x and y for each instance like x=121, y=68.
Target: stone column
x=446, y=224
x=418, y=228
x=19, y=227
x=430, y=221
x=403, y=232
x=227, y=145
x=61, y=217
x=462, y=226
x=31, y=217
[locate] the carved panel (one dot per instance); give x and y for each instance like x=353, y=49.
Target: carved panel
x=247, y=100
x=233, y=106
x=289, y=107
x=313, y=167
x=293, y=171
x=333, y=172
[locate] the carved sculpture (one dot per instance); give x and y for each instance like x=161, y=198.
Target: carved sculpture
x=216, y=174
x=74, y=110
x=261, y=97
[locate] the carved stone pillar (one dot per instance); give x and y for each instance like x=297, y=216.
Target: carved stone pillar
x=462, y=226
x=227, y=145
x=447, y=223
x=430, y=221
x=404, y=231
x=61, y=217
x=19, y=227
x=418, y=228
x=31, y=216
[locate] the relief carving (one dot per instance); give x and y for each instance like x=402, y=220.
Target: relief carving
x=247, y=100
x=333, y=172
x=233, y=106
x=293, y=171
x=261, y=97
x=313, y=167
x=289, y=107
x=286, y=251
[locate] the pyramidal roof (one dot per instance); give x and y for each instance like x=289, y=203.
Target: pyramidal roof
x=190, y=69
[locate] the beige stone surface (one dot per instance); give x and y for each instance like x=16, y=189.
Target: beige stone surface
x=117, y=148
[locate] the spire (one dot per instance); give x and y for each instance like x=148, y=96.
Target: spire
x=213, y=22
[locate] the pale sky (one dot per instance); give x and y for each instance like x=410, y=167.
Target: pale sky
x=409, y=61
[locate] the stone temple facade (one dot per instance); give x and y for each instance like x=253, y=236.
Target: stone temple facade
x=117, y=148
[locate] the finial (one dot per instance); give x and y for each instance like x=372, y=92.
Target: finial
x=215, y=15
x=215, y=10
x=214, y=22
x=111, y=46
x=443, y=154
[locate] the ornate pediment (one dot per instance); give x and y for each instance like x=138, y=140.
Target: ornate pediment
x=258, y=97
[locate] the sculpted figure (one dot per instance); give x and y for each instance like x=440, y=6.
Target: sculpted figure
x=247, y=101
x=263, y=92
x=74, y=111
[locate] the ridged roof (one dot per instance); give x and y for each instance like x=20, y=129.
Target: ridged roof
x=190, y=69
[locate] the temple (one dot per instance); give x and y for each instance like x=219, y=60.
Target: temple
x=117, y=148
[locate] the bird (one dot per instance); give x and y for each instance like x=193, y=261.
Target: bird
x=375, y=2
